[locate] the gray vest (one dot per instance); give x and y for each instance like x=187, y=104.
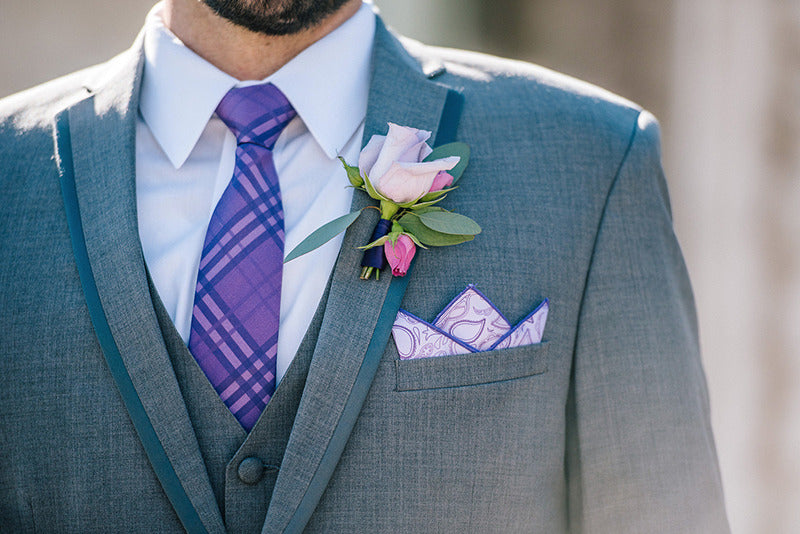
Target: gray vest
x=242, y=468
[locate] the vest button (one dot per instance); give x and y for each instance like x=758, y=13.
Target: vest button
x=251, y=470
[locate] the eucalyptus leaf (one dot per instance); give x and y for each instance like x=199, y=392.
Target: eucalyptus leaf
x=447, y=222
x=427, y=209
x=426, y=236
x=452, y=149
x=322, y=235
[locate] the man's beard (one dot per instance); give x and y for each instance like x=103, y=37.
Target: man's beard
x=275, y=17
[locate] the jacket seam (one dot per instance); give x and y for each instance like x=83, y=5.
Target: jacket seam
x=571, y=479
x=611, y=188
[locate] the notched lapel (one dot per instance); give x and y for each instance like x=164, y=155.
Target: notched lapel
x=102, y=132
x=400, y=92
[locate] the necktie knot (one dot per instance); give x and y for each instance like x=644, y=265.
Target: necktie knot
x=256, y=113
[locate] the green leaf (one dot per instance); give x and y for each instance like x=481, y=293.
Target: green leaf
x=436, y=194
x=447, y=222
x=410, y=203
x=415, y=240
x=378, y=242
x=322, y=235
x=353, y=174
x=419, y=205
x=371, y=191
x=427, y=209
x=411, y=222
x=452, y=149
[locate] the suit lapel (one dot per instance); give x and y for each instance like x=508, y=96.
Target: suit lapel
x=400, y=92
x=102, y=132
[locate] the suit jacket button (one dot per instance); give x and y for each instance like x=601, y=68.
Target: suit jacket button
x=251, y=470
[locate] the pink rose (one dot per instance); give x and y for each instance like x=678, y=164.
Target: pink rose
x=443, y=179
x=393, y=163
x=400, y=254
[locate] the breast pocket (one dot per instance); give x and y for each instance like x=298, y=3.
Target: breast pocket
x=471, y=369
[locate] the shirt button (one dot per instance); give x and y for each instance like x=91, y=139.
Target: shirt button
x=251, y=470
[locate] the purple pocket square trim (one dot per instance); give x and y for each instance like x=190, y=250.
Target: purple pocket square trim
x=473, y=319
x=469, y=323
x=528, y=331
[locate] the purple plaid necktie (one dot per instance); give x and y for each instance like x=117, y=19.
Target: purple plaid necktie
x=237, y=300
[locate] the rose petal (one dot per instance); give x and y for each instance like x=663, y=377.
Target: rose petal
x=425, y=152
x=396, y=147
x=444, y=164
x=412, y=154
x=419, y=150
x=423, y=136
x=404, y=182
x=369, y=155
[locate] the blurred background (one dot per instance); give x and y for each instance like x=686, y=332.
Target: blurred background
x=723, y=77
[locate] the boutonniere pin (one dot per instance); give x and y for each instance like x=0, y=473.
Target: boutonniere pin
x=408, y=179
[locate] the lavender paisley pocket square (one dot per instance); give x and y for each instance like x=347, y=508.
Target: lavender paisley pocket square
x=470, y=323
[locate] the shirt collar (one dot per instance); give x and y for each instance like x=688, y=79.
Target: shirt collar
x=327, y=83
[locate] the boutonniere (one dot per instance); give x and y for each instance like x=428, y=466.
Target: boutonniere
x=408, y=179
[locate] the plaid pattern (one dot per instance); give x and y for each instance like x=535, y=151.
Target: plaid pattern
x=234, y=335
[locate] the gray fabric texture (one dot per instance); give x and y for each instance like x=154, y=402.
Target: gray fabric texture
x=223, y=443
x=603, y=429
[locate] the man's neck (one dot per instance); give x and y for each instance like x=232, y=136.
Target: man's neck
x=243, y=54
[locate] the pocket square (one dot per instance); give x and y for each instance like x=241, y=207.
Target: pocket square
x=470, y=323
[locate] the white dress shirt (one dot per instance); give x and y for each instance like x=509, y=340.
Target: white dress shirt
x=185, y=157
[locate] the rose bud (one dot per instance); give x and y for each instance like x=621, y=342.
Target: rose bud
x=442, y=180
x=400, y=254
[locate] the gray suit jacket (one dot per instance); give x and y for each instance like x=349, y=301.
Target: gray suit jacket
x=604, y=427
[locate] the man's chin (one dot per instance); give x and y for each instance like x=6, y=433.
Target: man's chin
x=275, y=17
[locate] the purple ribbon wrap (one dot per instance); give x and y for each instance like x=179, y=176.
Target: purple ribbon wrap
x=374, y=256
